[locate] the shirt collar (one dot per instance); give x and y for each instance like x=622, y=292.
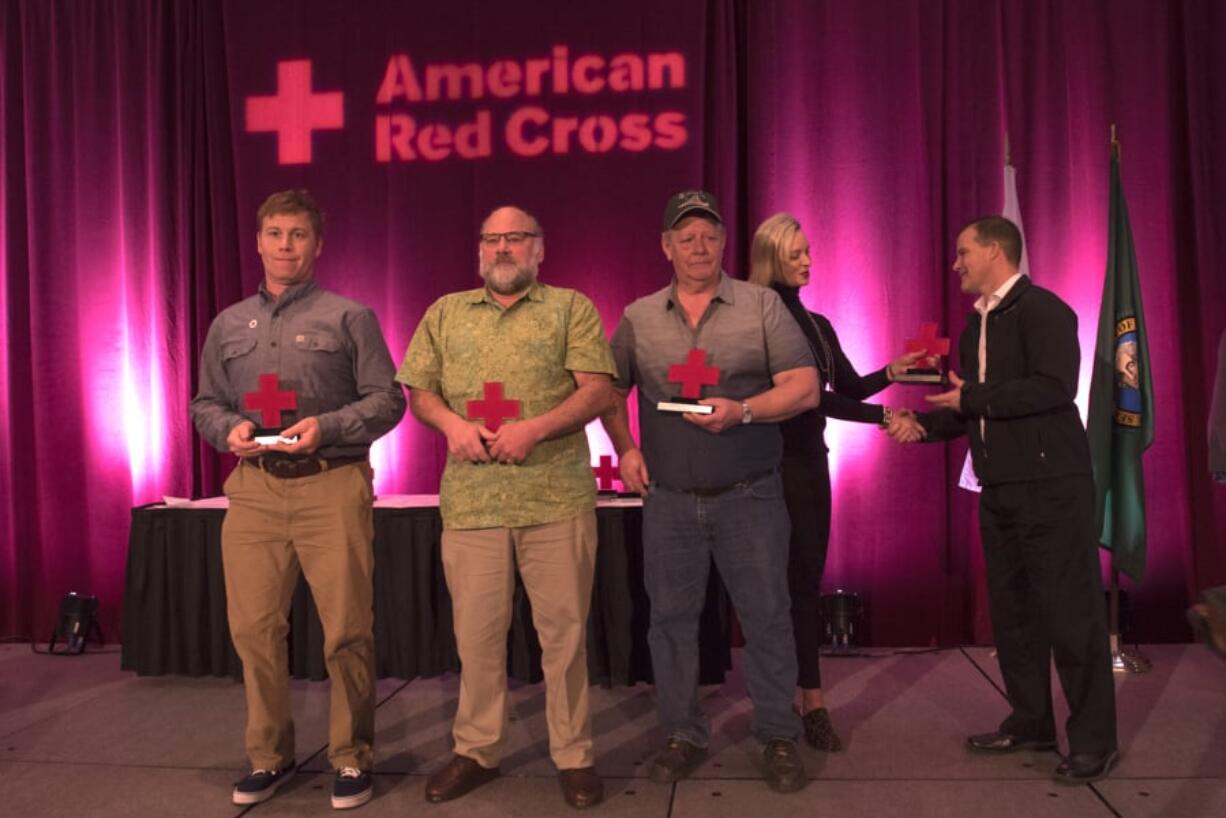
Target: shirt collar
x=986, y=303
x=724, y=293
x=482, y=295
x=289, y=295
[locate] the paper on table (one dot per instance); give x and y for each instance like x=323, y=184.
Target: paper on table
x=187, y=502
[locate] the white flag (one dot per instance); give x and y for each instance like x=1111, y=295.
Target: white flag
x=1013, y=212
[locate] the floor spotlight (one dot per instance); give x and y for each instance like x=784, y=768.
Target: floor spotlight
x=842, y=612
x=78, y=620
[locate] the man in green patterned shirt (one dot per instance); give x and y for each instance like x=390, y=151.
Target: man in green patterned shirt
x=510, y=373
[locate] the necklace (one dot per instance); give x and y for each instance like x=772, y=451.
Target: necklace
x=824, y=359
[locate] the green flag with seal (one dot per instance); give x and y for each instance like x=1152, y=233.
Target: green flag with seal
x=1121, y=414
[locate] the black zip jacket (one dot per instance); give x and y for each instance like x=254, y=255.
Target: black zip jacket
x=1033, y=430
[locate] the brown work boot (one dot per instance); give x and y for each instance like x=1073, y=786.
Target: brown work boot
x=676, y=761
x=785, y=772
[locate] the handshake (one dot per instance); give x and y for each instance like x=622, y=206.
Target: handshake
x=902, y=425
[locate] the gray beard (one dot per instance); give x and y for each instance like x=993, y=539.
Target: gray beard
x=506, y=278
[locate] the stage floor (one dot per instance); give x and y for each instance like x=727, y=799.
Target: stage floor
x=80, y=737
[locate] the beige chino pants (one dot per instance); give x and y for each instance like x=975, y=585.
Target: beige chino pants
x=557, y=561
x=322, y=525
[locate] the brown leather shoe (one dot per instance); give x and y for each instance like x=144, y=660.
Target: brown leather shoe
x=460, y=776
x=581, y=787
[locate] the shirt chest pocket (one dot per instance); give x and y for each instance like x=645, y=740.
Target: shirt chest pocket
x=320, y=362
x=236, y=349
x=317, y=342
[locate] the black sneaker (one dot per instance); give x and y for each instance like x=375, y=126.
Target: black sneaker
x=352, y=788
x=785, y=772
x=260, y=785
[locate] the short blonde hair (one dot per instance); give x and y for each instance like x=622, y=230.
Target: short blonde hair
x=769, y=250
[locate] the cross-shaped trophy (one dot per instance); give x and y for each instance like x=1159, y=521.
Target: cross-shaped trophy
x=927, y=369
x=693, y=375
x=493, y=408
x=270, y=400
x=606, y=473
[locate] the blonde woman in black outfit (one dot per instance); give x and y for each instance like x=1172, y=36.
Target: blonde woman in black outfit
x=780, y=260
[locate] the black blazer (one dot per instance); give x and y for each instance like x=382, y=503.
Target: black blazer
x=1033, y=429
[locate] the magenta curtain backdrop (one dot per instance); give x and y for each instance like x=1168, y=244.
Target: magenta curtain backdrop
x=139, y=137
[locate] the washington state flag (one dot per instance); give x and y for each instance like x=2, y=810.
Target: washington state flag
x=1121, y=412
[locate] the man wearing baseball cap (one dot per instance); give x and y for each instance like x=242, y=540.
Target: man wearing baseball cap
x=718, y=362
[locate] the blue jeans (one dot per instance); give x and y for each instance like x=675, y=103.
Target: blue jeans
x=746, y=530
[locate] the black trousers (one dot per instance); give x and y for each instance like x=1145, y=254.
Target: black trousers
x=1045, y=594
x=806, y=490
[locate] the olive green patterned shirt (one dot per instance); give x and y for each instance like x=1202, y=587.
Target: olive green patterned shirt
x=467, y=339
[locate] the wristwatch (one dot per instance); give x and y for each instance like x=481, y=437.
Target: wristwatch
x=746, y=415
x=887, y=416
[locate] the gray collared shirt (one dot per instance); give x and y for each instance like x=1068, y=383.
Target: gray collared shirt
x=749, y=336
x=327, y=349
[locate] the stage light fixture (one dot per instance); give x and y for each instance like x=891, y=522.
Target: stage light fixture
x=78, y=620
x=842, y=613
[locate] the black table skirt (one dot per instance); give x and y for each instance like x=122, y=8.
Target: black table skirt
x=174, y=607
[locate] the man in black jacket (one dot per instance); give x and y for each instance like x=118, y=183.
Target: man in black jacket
x=1019, y=355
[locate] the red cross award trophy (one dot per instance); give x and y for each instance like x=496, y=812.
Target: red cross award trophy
x=605, y=474
x=270, y=400
x=693, y=375
x=493, y=408
x=927, y=369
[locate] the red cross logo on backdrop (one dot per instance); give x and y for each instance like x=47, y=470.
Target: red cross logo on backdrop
x=294, y=112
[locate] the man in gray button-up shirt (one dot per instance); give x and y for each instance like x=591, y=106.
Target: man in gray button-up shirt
x=313, y=367
x=710, y=481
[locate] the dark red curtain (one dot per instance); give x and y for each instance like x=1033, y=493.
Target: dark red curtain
x=131, y=174
x=118, y=247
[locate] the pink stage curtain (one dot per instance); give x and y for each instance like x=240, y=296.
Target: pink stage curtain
x=131, y=178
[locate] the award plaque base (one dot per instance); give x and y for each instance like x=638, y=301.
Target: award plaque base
x=267, y=437
x=681, y=406
x=921, y=375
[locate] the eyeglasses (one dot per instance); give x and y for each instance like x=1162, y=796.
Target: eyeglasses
x=513, y=237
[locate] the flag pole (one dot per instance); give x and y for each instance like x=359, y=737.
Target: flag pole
x=1123, y=660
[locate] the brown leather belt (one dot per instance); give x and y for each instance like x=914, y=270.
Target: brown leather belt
x=291, y=468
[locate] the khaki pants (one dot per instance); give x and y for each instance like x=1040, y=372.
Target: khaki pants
x=557, y=561
x=323, y=524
